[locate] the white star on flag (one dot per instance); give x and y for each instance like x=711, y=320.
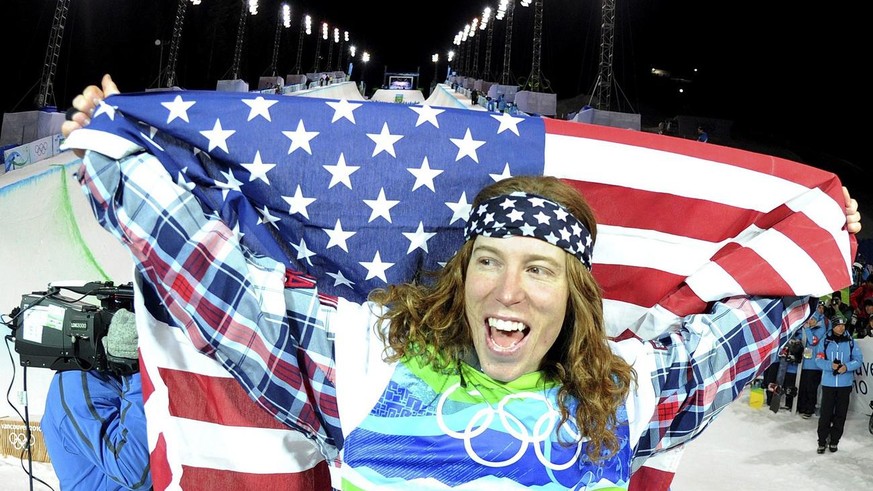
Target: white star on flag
x=338, y=236
x=502, y=176
x=232, y=184
x=267, y=217
x=258, y=169
x=467, y=146
x=460, y=210
x=381, y=206
x=376, y=268
x=343, y=109
x=298, y=203
x=259, y=107
x=418, y=239
x=424, y=175
x=427, y=114
x=178, y=109
x=303, y=252
x=341, y=173
x=507, y=122
x=217, y=136
x=384, y=141
x=300, y=138
x=104, y=108
x=340, y=279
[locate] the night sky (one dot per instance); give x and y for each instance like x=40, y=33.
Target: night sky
x=785, y=73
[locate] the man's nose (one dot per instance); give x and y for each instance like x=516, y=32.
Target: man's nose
x=511, y=289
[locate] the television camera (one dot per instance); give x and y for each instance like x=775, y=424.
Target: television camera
x=62, y=333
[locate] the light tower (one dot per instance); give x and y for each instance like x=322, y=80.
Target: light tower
x=324, y=31
x=465, y=38
x=536, y=82
x=252, y=8
x=507, y=7
x=474, y=26
x=330, y=48
x=305, y=28
x=489, y=26
x=435, y=58
x=457, y=42
x=450, y=57
x=339, y=56
x=603, y=86
x=283, y=21
x=46, y=96
x=170, y=72
x=365, y=57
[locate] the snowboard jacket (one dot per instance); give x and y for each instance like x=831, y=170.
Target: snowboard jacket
x=95, y=431
x=841, y=348
x=814, y=338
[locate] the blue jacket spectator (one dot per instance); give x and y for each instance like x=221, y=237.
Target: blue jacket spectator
x=838, y=359
x=94, y=423
x=813, y=334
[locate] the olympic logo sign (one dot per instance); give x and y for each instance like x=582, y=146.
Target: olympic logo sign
x=539, y=434
x=19, y=440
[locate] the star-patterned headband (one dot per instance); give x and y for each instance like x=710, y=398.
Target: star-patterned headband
x=530, y=215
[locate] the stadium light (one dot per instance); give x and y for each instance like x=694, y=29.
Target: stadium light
x=240, y=35
x=305, y=28
x=284, y=20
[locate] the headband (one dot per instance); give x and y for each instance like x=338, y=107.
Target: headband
x=530, y=215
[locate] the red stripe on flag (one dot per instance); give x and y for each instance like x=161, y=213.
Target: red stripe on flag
x=639, y=286
x=762, y=279
x=317, y=478
x=162, y=476
x=213, y=400
x=148, y=388
x=651, y=479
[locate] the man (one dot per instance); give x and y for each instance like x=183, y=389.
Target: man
x=94, y=424
x=501, y=361
x=838, y=359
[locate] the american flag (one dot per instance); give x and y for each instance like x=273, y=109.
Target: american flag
x=363, y=194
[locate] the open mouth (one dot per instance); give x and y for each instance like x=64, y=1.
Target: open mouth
x=506, y=335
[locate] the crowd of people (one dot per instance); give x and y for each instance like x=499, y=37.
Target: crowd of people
x=825, y=356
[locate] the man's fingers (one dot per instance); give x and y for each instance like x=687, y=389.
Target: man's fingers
x=109, y=87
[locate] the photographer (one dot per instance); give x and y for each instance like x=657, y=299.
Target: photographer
x=94, y=425
x=836, y=307
x=838, y=359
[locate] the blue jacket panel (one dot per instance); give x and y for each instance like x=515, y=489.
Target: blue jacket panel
x=95, y=431
x=841, y=348
x=814, y=339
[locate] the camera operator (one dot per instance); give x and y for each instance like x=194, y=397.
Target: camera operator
x=838, y=359
x=836, y=307
x=94, y=424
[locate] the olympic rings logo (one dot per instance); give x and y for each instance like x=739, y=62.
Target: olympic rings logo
x=19, y=440
x=538, y=435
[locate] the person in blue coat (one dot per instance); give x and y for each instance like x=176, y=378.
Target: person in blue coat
x=838, y=359
x=94, y=423
x=813, y=334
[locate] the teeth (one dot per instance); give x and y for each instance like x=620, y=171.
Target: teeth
x=504, y=325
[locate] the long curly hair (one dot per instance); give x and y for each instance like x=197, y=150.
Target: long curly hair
x=427, y=320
